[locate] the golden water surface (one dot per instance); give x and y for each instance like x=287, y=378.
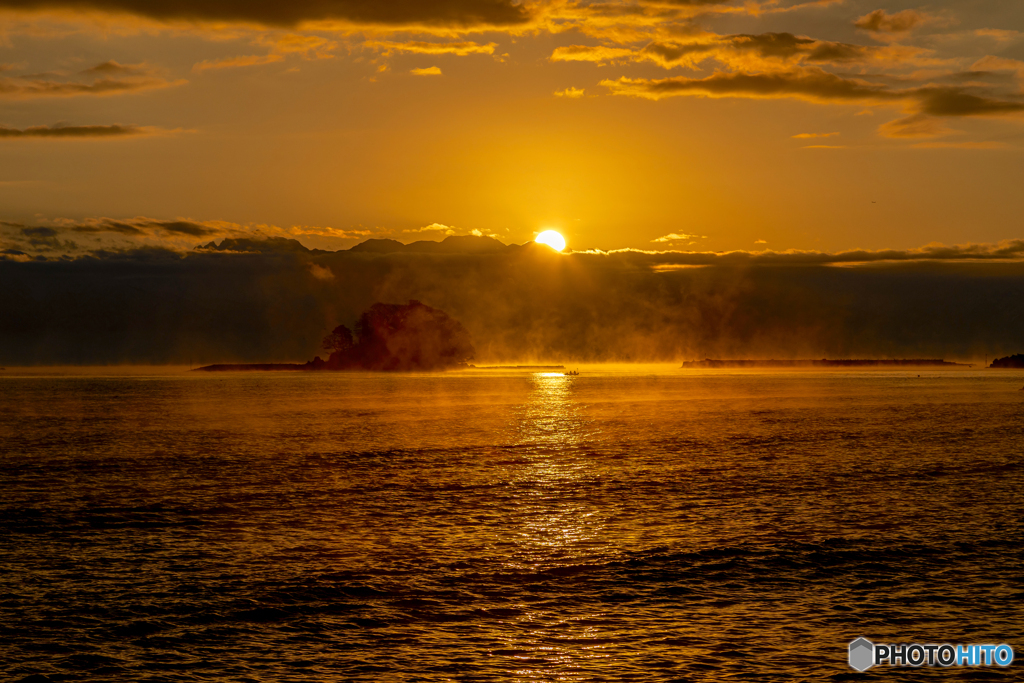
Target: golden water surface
x=632, y=523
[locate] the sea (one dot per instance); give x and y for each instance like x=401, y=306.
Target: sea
x=632, y=523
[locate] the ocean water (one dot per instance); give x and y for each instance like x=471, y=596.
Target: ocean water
x=632, y=523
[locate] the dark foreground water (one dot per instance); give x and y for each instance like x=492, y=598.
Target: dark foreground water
x=627, y=524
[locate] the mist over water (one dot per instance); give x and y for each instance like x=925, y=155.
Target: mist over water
x=632, y=523
x=519, y=305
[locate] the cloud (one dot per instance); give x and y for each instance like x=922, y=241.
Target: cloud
x=812, y=84
x=460, y=49
x=434, y=227
x=318, y=231
x=993, y=63
x=695, y=3
x=998, y=34
x=236, y=62
x=914, y=126
x=1006, y=249
x=764, y=51
x=183, y=235
x=143, y=226
x=786, y=45
x=39, y=232
x=108, y=78
x=672, y=54
x=940, y=101
x=572, y=93
x=962, y=145
x=66, y=131
x=802, y=136
x=823, y=147
x=428, y=71
x=111, y=67
x=428, y=13
x=45, y=239
x=675, y=237
x=880, y=21
x=307, y=46
x=588, y=53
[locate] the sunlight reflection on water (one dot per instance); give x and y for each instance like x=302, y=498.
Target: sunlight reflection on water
x=555, y=526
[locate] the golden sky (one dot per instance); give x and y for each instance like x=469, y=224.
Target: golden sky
x=692, y=125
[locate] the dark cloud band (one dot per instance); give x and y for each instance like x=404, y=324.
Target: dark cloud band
x=276, y=13
x=114, y=131
x=818, y=85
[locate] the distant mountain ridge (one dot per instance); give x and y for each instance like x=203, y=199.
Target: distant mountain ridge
x=453, y=244
x=279, y=245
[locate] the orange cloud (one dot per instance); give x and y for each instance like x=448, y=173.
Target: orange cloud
x=437, y=13
x=434, y=227
x=915, y=126
x=317, y=231
x=236, y=62
x=764, y=51
x=992, y=63
x=587, y=53
x=961, y=145
x=306, y=46
x=816, y=85
x=998, y=34
x=87, y=132
x=880, y=21
x=810, y=84
x=676, y=237
x=112, y=68
x=107, y=78
x=143, y=226
x=427, y=48
x=428, y=71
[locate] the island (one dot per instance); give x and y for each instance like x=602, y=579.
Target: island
x=387, y=338
x=1009, y=362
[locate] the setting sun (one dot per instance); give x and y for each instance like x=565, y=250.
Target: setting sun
x=551, y=238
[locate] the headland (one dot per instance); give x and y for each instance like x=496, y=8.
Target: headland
x=823, y=363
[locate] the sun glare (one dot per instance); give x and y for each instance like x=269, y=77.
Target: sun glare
x=552, y=239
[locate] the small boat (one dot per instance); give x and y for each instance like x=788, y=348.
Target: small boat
x=572, y=373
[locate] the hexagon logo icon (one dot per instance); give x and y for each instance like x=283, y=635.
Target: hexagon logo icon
x=862, y=654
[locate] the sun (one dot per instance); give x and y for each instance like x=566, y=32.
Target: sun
x=552, y=239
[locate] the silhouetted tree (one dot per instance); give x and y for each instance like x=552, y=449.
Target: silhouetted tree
x=1014, y=361
x=339, y=340
x=402, y=337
